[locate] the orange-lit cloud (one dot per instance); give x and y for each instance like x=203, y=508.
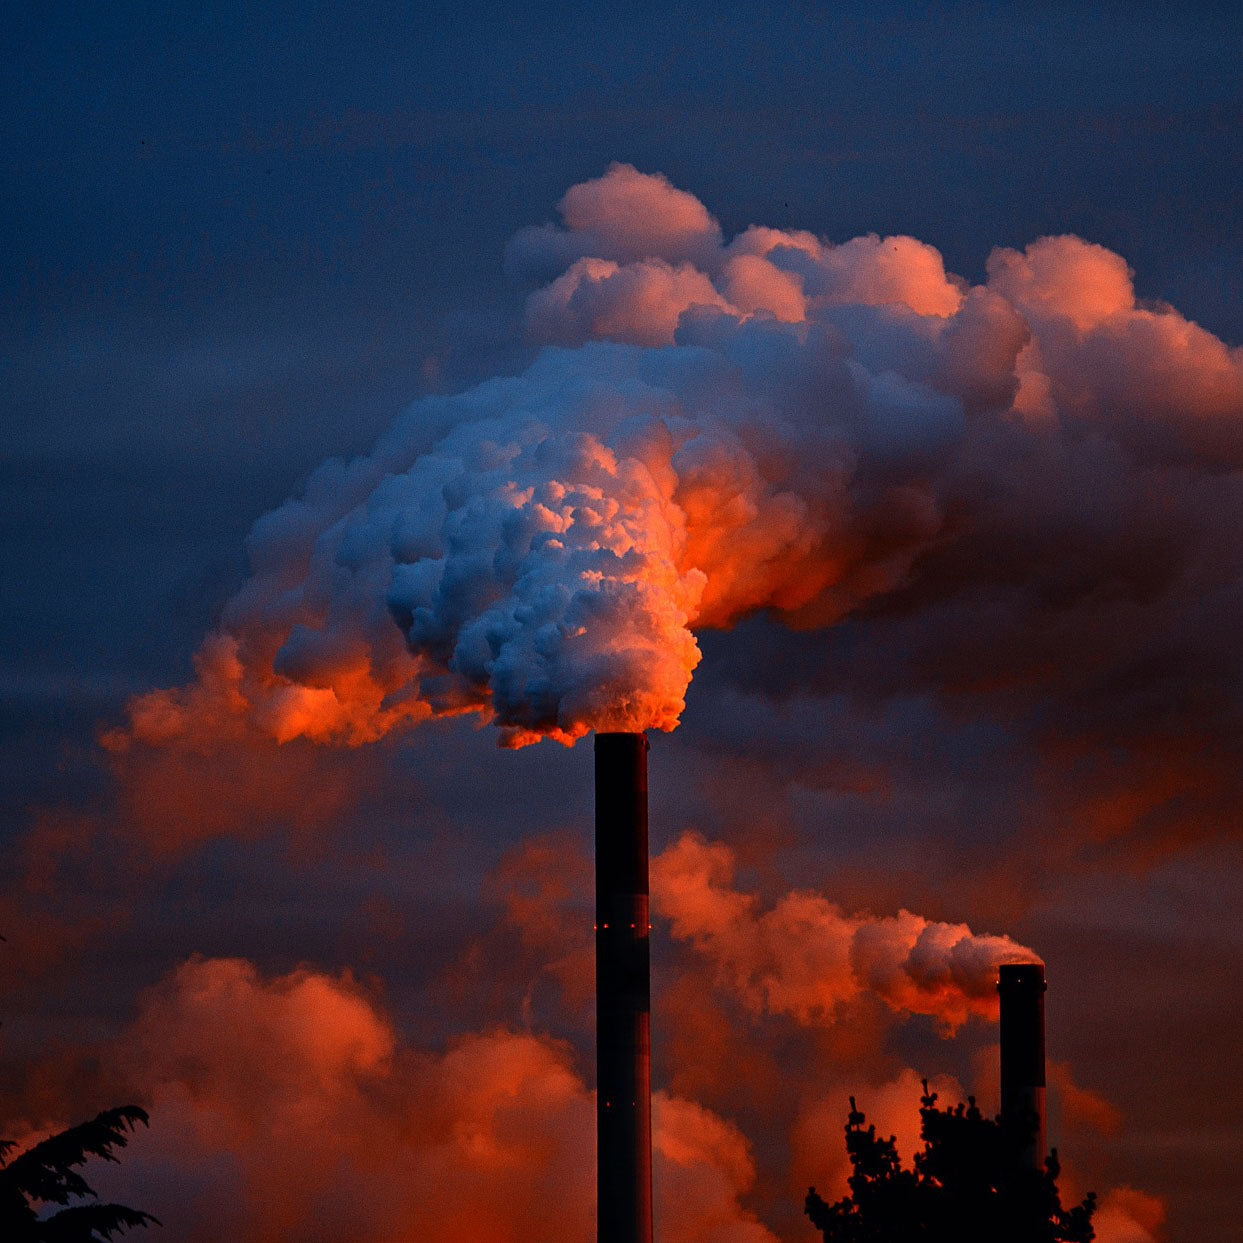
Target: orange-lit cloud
x=1129, y=1216
x=288, y=1107
x=290, y=1104
x=598, y=300
x=796, y=425
x=623, y=216
x=805, y=958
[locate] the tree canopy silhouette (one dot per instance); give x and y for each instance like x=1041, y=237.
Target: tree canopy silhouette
x=969, y=1184
x=45, y=1174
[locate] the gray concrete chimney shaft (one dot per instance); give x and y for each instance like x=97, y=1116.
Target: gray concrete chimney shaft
x=1022, y=988
x=623, y=994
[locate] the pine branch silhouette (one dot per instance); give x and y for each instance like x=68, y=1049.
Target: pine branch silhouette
x=47, y=1174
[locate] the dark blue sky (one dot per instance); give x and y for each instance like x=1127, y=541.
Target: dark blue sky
x=239, y=238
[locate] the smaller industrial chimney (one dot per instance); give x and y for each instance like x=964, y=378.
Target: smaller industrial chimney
x=1022, y=987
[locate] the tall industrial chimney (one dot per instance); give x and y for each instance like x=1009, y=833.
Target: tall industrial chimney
x=623, y=994
x=1022, y=987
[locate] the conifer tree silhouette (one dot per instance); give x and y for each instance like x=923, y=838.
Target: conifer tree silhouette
x=969, y=1184
x=45, y=1174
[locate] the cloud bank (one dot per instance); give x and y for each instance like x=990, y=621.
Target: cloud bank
x=288, y=1107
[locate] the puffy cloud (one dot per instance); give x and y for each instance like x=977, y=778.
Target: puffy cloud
x=1081, y=1107
x=625, y=216
x=288, y=1107
x=1157, y=382
x=636, y=254
x=639, y=215
x=597, y=300
x=702, y=1163
x=1013, y=491
x=751, y=283
x=875, y=271
x=804, y=957
x=546, y=560
x=1064, y=278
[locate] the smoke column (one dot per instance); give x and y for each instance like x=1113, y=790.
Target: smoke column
x=807, y=958
x=623, y=993
x=775, y=424
x=1022, y=988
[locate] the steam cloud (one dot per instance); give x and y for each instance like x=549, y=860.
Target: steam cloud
x=292, y=1106
x=289, y=1108
x=773, y=422
x=805, y=958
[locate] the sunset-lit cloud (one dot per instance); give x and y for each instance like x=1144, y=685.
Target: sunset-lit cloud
x=859, y=431
x=289, y=1107
x=291, y=1102
x=806, y=958
x=597, y=300
x=1129, y=1216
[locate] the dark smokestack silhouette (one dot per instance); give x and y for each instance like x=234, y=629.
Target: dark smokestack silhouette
x=623, y=994
x=1022, y=988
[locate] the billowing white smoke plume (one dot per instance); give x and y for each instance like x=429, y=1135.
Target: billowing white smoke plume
x=776, y=422
x=806, y=958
